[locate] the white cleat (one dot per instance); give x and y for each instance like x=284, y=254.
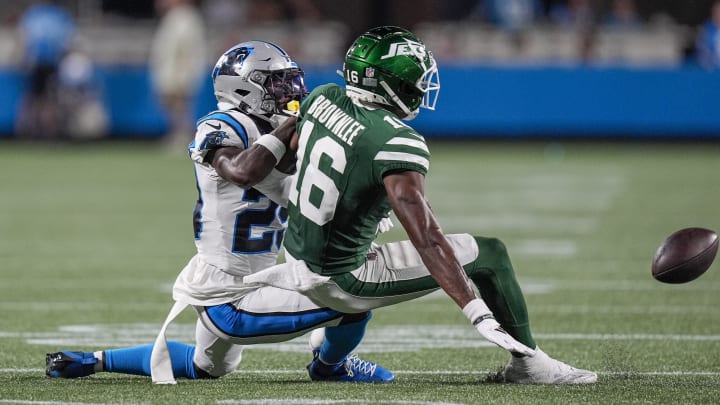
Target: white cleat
x=543, y=369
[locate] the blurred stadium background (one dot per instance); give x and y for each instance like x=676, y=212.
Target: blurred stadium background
x=509, y=68
x=93, y=233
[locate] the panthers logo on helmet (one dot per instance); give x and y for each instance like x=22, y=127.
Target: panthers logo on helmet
x=231, y=61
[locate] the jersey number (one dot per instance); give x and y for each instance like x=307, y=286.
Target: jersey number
x=252, y=219
x=317, y=196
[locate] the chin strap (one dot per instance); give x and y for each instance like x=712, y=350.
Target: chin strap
x=409, y=115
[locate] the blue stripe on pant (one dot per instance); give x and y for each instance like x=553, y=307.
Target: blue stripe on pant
x=244, y=325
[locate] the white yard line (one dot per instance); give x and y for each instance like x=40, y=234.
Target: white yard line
x=380, y=339
x=530, y=285
x=516, y=221
x=320, y=401
x=29, y=402
x=438, y=372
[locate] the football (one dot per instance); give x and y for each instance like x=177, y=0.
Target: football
x=685, y=255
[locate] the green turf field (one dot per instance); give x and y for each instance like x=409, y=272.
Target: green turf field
x=92, y=237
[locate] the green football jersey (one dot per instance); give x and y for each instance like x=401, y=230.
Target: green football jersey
x=338, y=197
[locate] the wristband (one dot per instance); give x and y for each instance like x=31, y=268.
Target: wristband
x=482, y=318
x=273, y=144
x=477, y=311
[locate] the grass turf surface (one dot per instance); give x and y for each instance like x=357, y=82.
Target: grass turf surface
x=93, y=236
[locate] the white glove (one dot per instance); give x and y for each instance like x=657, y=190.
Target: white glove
x=491, y=330
x=385, y=225
x=482, y=319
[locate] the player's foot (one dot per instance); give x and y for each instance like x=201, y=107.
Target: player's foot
x=353, y=369
x=67, y=364
x=542, y=369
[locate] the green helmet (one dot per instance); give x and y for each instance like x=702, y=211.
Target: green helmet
x=390, y=66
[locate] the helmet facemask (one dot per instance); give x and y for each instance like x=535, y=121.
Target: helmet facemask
x=426, y=88
x=283, y=91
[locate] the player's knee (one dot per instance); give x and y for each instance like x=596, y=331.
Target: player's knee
x=354, y=318
x=215, y=365
x=202, y=374
x=492, y=258
x=492, y=247
x=215, y=370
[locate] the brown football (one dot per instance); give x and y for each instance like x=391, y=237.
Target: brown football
x=685, y=255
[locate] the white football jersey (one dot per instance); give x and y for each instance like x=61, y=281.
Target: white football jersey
x=236, y=230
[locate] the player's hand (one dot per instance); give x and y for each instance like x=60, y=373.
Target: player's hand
x=285, y=132
x=385, y=225
x=491, y=330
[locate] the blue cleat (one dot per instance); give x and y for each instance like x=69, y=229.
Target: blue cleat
x=67, y=364
x=353, y=369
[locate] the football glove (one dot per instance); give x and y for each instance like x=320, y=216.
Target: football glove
x=384, y=225
x=491, y=330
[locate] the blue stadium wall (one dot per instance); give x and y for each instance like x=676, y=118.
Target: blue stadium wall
x=475, y=102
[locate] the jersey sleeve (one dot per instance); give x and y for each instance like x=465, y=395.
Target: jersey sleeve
x=406, y=150
x=219, y=129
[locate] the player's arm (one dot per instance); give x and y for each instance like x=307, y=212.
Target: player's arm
x=406, y=192
x=247, y=167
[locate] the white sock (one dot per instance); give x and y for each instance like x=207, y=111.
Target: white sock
x=100, y=365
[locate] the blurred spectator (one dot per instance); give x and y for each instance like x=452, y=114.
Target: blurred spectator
x=512, y=15
x=226, y=15
x=623, y=16
x=581, y=16
x=46, y=31
x=296, y=25
x=83, y=114
x=708, y=42
x=261, y=11
x=177, y=63
x=515, y=17
x=573, y=13
x=302, y=10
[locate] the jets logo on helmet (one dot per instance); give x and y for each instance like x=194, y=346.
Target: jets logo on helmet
x=406, y=48
x=392, y=67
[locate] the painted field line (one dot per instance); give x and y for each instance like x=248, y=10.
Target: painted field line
x=529, y=286
x=539, y=181
x=436, y=372
x=520, y=222
x=319, y=401
x=381, y=339
x=48, y=306
x=627, y=336
x=29, y=402
x=259, y=401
